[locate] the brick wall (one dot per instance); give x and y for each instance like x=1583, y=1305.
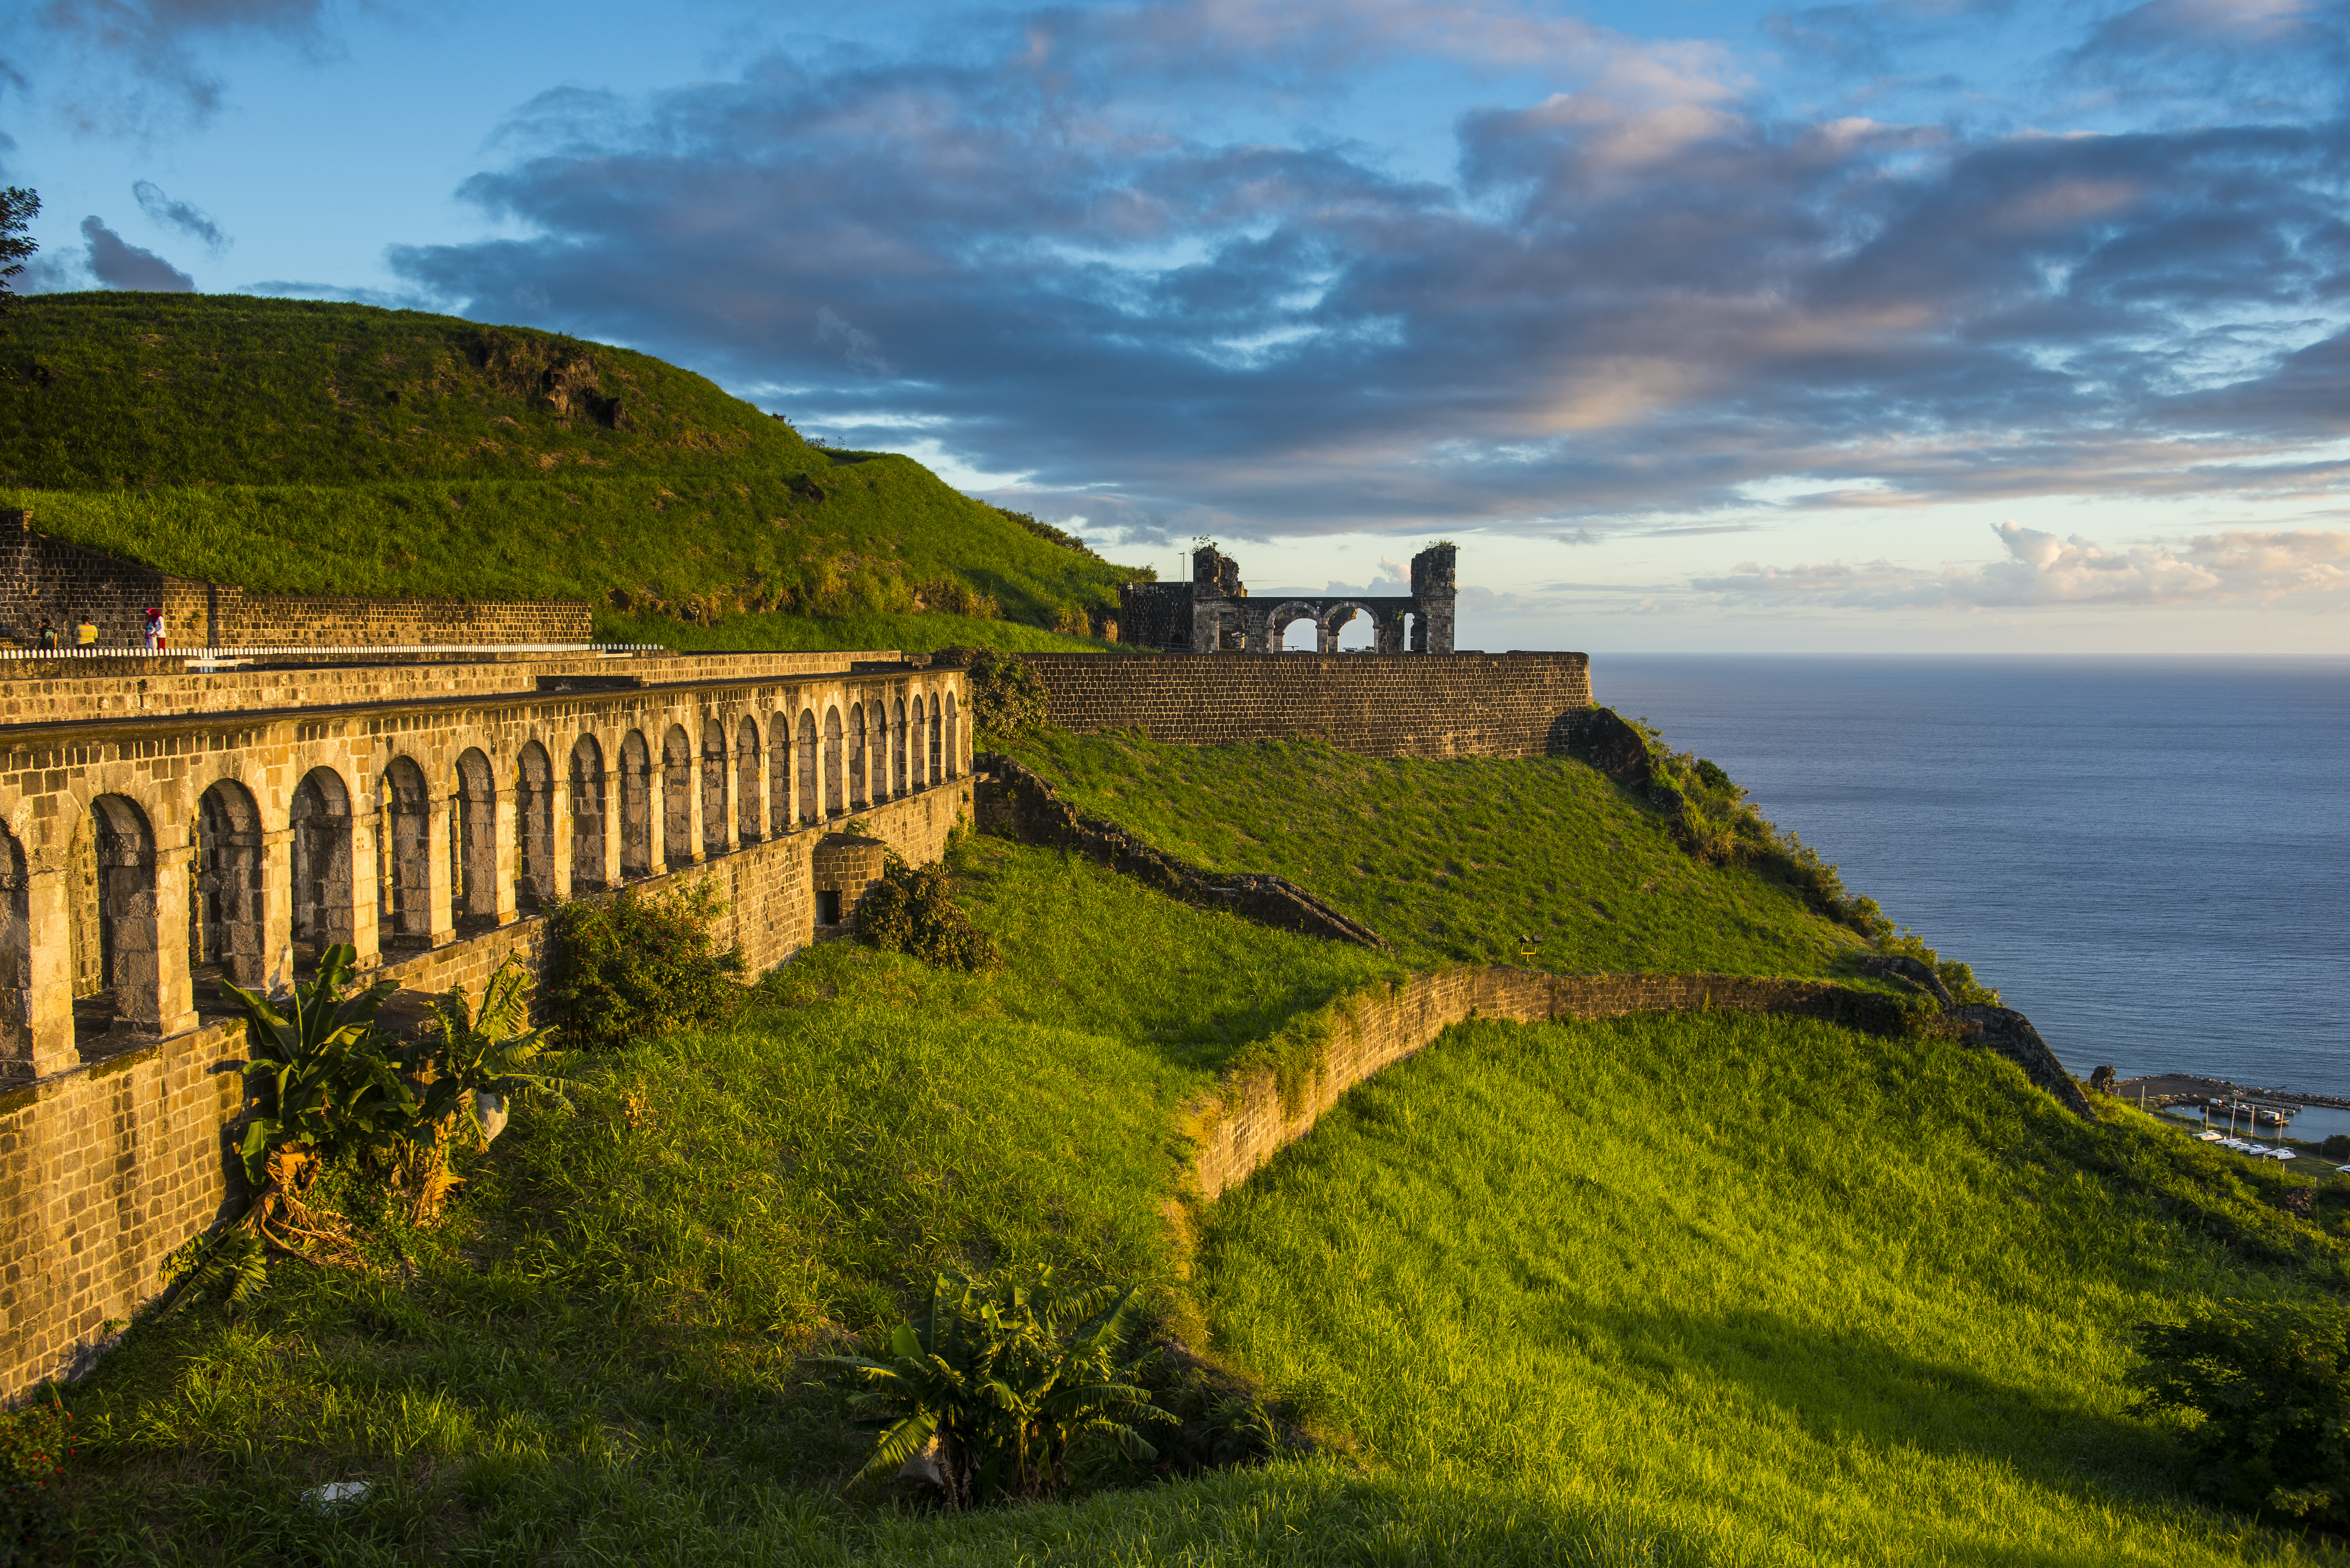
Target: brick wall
x=1246, y=1122
x=1383, y=705
x=41, y=576
x=105, y=1168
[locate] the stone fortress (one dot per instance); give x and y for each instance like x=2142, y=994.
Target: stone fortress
x=1213, y=613
x=278, y=785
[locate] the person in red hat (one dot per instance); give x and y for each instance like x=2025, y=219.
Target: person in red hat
x=155, y=637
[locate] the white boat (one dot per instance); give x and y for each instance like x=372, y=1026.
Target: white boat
x=2210, y=1138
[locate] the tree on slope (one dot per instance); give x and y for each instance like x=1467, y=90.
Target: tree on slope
x=18, y=207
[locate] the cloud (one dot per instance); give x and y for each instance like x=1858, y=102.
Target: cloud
x=1641, y=296
x=185, y=216
x=2043, y=570
x=157, y=43
x=118, y=264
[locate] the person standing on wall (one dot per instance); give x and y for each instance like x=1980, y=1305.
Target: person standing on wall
x=155, y=637
x=47, y=637
x=86, y=631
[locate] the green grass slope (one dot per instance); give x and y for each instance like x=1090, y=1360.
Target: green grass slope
x=1453, y=861
x=289, y=446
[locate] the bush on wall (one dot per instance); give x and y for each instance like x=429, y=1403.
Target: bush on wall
x=1007, y=700
x=642, y=963
x=912, y=911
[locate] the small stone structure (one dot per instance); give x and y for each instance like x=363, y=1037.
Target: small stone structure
x=843, y=869
x=45, y=578
x=1213, y=613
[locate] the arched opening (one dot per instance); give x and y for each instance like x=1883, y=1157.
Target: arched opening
x=588, y=823
x=224, y=891
x=1281, y=633
x=677, y=798
x=1415, y=632
x=126, y=937
x=857, y=753
x=320, y=851
x=474, y=844
x=534, y=827
x=919, y=751
x=749, y=829
x=898, y=753
x=15, y=961
x=955, y=741
x=713, y=789
x=938, y=770
x=779, y=774
x=1353, y=631
x=809, y=809
x=635, y=806
x=403, y=864
x=834, y=795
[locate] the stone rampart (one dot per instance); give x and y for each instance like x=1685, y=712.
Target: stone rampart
x=107, y=1167
x=1382, y=705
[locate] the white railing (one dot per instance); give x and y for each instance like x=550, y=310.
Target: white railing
x=231, y=655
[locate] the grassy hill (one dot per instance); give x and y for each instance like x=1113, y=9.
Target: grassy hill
x=291, y=446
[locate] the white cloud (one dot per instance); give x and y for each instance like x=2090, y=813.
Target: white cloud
x=2043, y=569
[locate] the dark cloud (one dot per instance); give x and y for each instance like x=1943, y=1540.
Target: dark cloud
x=118, y=264
x=1645, y=295
x=185, y=216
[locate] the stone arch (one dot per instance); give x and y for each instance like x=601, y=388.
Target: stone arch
x=1342, y=617
x=1280, y=617
x=779, y=774
x=322, y=909
x=128, y=936
x=636, y=805
x=403, y=861
x=534, y=826
x=589, y=824
x=810, y=809
x=834, y=795
x=858, y=795
x=225, y=891
x=920, y=752
x=714, y=836
x=954, y=739
x=15, y=960
x=898, y=752
x=748, y=828
x=676, y=796
x=474, y=841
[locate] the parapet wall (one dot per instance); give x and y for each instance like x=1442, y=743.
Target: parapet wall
x=1247, y=1121
x=105, y=1167
x=1382, y=705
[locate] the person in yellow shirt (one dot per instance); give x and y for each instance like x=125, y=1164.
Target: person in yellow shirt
x=86, y=632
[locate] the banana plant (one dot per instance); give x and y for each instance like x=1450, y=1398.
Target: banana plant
x=996, y=1382
x=319, y=1068
x=484, y=1054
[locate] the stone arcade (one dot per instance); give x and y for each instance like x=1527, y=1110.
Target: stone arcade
x=1213, y=613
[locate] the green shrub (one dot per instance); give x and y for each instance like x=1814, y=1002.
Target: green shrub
x=2335, y=1148
x=641, y=964
x=997, y=1383
x=1007, y=701
x=2265, y=1387
x=35, y=1443
x=912, y=911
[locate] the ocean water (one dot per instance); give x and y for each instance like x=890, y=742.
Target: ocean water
x=2151, y=859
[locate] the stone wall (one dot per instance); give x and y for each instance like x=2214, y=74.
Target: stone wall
x=1383, y=705
x=1247, y=1121
x=107, y=1167
x=41, y=576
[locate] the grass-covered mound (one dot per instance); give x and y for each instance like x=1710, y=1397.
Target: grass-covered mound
x=297, y=446
x=1453, y=861
x=1717, y=1290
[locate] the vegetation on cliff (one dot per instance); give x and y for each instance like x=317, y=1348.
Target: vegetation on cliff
x=296, y=447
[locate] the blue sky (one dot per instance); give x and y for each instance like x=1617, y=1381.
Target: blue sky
x=1916, y=327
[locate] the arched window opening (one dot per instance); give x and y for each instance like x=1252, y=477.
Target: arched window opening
x=715, y=838
x=404, y=863
x=534, y=827
x=224, y=892
x=955, y=741
x=15, y=961
x=1352, y=630
x=749, y=829
x=320, y=851
x=779, y=775
x=1415, y=632
x=856, y=754
x=677, y=798
x=809, y=808
x=920, y=751
x=127, y=937
x=588, y=816
x=898, y=753
x=1287, y=639
x=474, y=844
x=834, y=795
x=635, y=806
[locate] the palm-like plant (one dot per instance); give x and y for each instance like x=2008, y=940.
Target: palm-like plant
x=997, y=1382
x=484, y=1054
x=319, y=1068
